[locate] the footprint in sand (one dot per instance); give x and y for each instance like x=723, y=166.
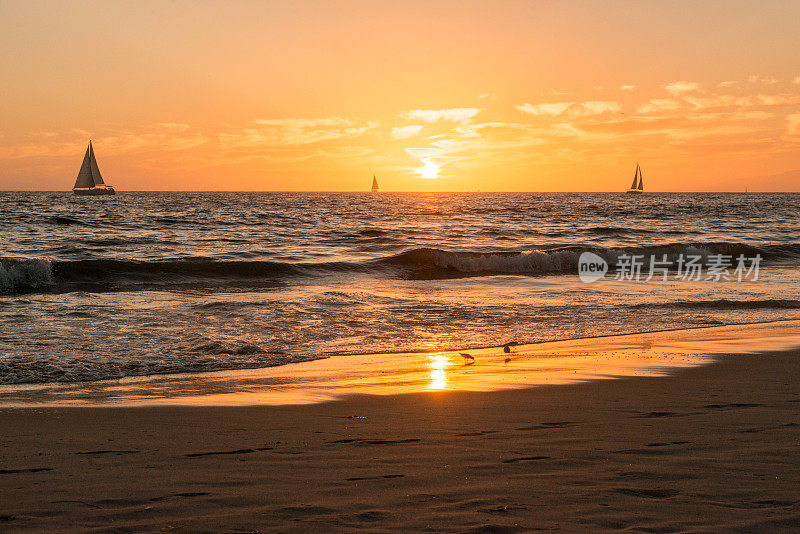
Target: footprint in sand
x=376, y=441
x=546, y=426
x=104, y=451
x=378, y=477
x=525, y=459
x=24, y=470
x=647, y=493
x=236, y=451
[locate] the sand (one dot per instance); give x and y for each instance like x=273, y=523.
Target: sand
x=707, y=449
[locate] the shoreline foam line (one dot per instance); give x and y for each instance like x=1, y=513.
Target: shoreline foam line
x=555, y=362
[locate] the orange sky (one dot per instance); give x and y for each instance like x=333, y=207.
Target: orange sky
x=496, y=96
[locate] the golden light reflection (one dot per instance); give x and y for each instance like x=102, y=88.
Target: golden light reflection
x=437, y=364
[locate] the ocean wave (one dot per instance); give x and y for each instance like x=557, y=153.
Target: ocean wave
x=204, y=359
x=561, y=259
x=21, y=275
x=726, y=304
x=60, y=220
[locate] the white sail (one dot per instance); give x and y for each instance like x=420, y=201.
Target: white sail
x=641, y=186
x=374, y=184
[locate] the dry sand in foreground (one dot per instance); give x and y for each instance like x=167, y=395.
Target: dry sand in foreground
x=708, y=449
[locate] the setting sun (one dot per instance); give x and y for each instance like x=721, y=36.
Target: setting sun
x=429, y=171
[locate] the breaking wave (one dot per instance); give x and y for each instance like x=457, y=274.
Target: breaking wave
x=26, y=275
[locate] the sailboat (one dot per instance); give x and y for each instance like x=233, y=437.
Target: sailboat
x=636, y=186
x=89, y=181
x=374, y=184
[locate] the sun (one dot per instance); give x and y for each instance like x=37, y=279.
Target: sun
x=429, y=171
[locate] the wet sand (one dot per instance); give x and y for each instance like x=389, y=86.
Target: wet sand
x=486, y=369
x=708, y=448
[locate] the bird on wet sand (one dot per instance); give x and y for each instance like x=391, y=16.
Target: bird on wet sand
x=468, y=359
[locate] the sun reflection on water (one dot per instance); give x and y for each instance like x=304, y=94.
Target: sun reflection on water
x=437, y=364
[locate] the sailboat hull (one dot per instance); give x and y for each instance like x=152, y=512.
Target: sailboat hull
x=634, y=191
x=95, y=191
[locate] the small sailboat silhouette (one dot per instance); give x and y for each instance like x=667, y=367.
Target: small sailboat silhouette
x=89, y=181
x=374, y=184
x=637, y=186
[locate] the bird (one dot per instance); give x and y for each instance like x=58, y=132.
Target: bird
x=468, y=359
x=506, y=349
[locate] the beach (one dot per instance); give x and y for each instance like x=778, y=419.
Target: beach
x=705, y=448
x=383, y=266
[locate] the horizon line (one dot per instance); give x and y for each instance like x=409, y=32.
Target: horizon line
x=622, y=191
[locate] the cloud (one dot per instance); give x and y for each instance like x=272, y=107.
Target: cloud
x=435, y=115
x=777, y=100
x=628, y=88
x=727, y=83
x=295, y=131
x=719, y=101
x=660, y=104
x=597, y=107
x=570, y=109
x=485, y=96
x=404, y=132
x=552, y=109
x=769, y=80
x=679, y=88
x=702, y=102
x=796, y=80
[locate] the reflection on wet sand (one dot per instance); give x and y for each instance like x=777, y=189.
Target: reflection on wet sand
x=559, y=362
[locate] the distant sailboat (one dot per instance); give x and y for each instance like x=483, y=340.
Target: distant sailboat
x=89, y=181
x=374, y=184
x=637, y=185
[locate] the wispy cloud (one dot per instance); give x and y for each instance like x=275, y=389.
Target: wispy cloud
x=682, y=87
x=435, y=115
x=570, y=109
x=553, y=109
x=404, y=132
x=628, y=88
x=659, y=104
x=294, y=131
x=769, y=80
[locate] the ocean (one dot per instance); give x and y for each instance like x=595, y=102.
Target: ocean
x=140, y=284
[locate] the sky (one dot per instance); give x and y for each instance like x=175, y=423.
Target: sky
x=428, y=96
